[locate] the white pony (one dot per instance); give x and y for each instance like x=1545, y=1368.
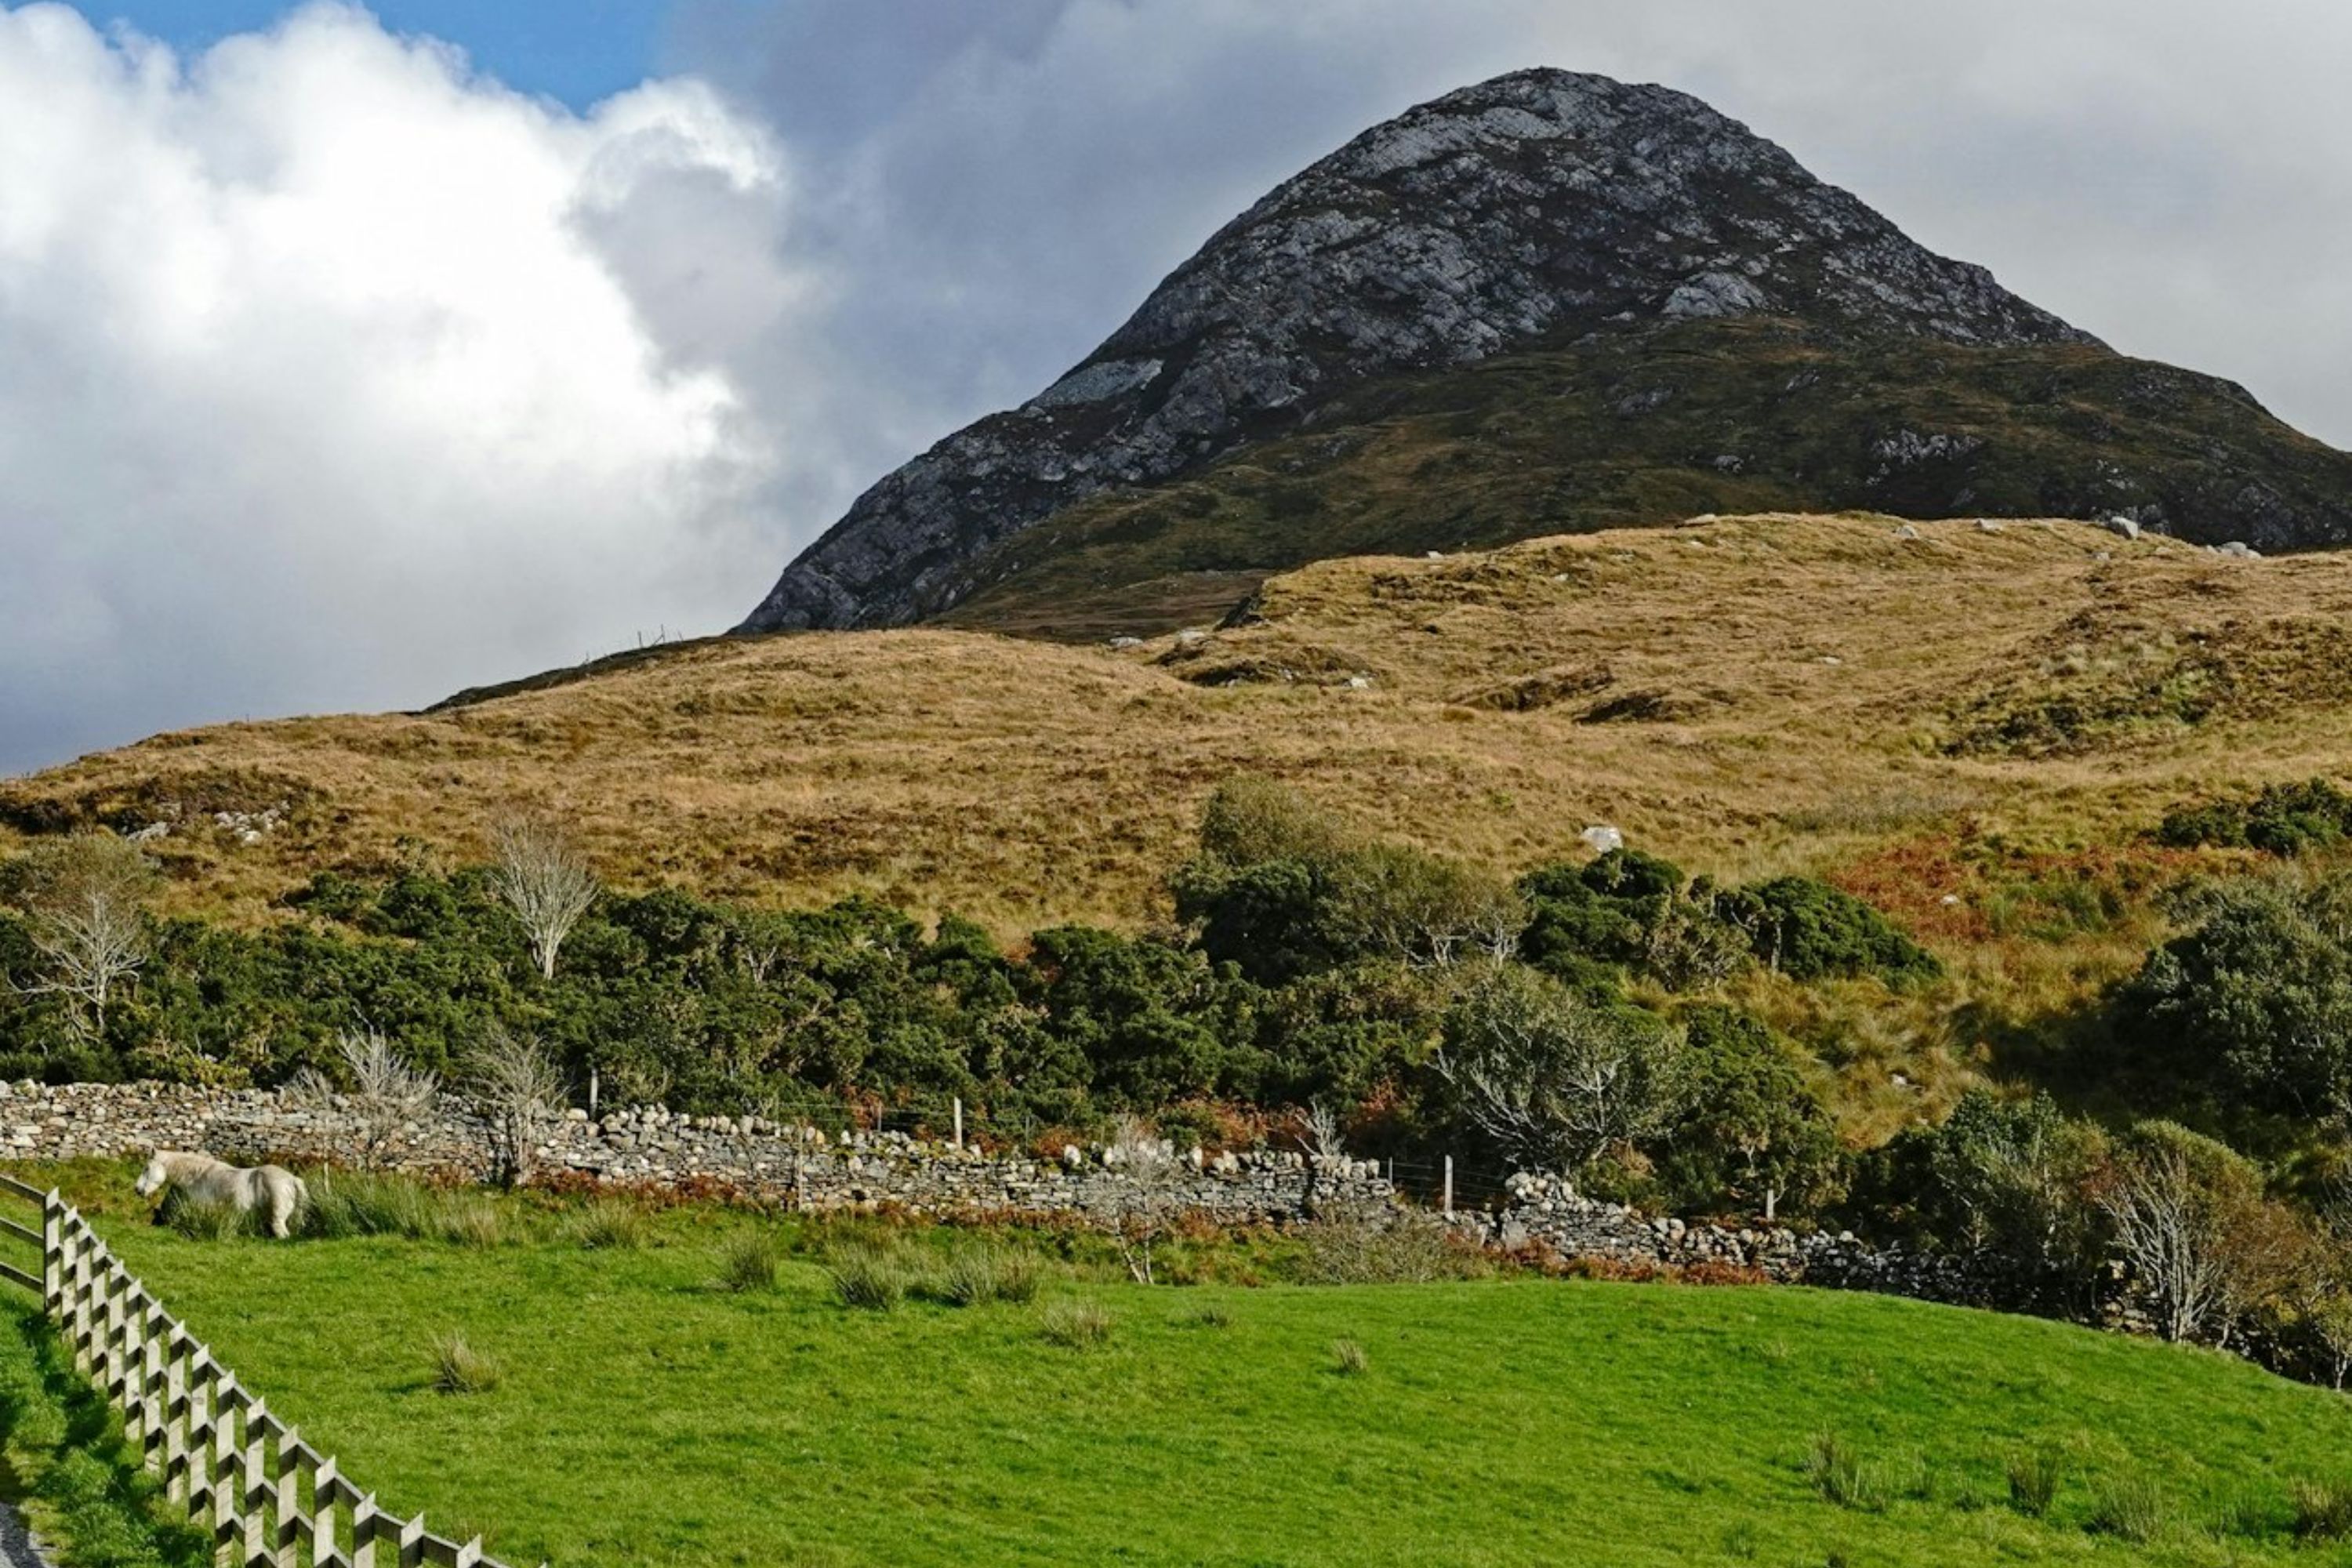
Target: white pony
x=211, y=1181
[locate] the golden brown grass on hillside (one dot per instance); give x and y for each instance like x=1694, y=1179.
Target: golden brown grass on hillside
x=1745, y=694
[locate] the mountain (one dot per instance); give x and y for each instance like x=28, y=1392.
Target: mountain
x=1611, y=301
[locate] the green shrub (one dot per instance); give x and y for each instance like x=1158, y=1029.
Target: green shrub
x=1076, y=1322
x=1400, y=1249
x=459, y=1368
x=2279, y=819
x=1809, y=930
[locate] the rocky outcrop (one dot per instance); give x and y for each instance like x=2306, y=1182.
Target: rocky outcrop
x=1539, y=207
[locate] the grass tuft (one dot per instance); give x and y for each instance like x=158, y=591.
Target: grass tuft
x=1347, y=1358
x=2323, y=1509
x=1839, y=1474
x=2034, y=1475
x=612, y=1225
x=975, y=1275
x=872, y=1279
x=1075, y=1324
x=750, y=1262
x=2129, y=1508
x=459, y=1368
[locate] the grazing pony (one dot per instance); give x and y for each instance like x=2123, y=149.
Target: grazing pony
x=207, y=1180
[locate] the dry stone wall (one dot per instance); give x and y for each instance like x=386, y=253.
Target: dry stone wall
x=863, y=1170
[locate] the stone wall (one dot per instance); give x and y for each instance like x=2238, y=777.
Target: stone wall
x=878, y=1170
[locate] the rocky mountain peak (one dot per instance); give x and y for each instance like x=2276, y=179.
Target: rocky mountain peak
x=1541, y=206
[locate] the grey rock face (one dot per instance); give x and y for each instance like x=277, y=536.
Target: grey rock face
x=1541, y=206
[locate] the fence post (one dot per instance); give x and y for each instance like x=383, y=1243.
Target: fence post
x=365, y=1520
x=290, y=1495
x=53, y=1256
x=323, y=1514
x=959, y=1121
x=1449, y=1186
x=255, y=1500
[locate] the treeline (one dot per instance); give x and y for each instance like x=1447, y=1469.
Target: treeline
x=1575, y=1019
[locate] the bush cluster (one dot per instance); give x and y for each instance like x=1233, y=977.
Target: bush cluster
x=2279, y=819
x=1310, y=965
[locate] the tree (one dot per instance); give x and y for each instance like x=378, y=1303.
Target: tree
x=85, y=904
x=1150, y=1204
x=543, y=878
x=1551, y=1078
x=386, y=1095
x=2258, y=994
x=1752, y=1130
x=519, y=1094
x=2177, y=1199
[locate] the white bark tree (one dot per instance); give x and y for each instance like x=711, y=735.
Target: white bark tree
x=519, y=1094
x=85, y=902
x=1552, y=1079
x=541, y=876
x=1151, y=1170
x=387, y=1093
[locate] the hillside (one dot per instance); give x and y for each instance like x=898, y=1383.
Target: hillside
x=1927, y=716
x=1547, y=303
x=1500, y=1421
x=1709, y=416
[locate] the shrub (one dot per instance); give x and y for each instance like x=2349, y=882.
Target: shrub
x=459, y=1368
x=1075, y=1324
x=749, y=1262
x=1347, y=1358
x=612, y=1225
x=2033, y=1479
x=2256, y=995
x=1398, y=1248
x=1809, y=930
x=872, y=1279
x=2279, y=819
x=2323, y=1509
x=2129, y=1507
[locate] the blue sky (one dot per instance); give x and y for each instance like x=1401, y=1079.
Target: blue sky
x=578, y=51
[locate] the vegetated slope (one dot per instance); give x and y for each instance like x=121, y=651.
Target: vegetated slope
x=1709, y=327
x=1724, y=417
x=1745, y=695
x=645, y=1416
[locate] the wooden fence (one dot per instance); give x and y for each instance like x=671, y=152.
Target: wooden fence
x=270, y=1500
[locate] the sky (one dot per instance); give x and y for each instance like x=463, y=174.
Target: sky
x=351, y=357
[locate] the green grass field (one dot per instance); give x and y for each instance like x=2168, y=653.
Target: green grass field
x=645, y=1416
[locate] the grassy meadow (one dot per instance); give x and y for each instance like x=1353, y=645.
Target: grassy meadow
x=630, y=1410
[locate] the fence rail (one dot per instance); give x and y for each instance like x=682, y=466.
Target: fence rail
x=270, y=1500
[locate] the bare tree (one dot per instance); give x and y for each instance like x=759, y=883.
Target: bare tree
x=386, y=1095
x=85, y=901
x=1322, y=1143
x=1151, y=1203
x=545, y=879
x=1552, y=1079
x=519, y=1094
x=2179, y=1203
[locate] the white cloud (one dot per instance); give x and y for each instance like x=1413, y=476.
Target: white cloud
x=325, y=382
